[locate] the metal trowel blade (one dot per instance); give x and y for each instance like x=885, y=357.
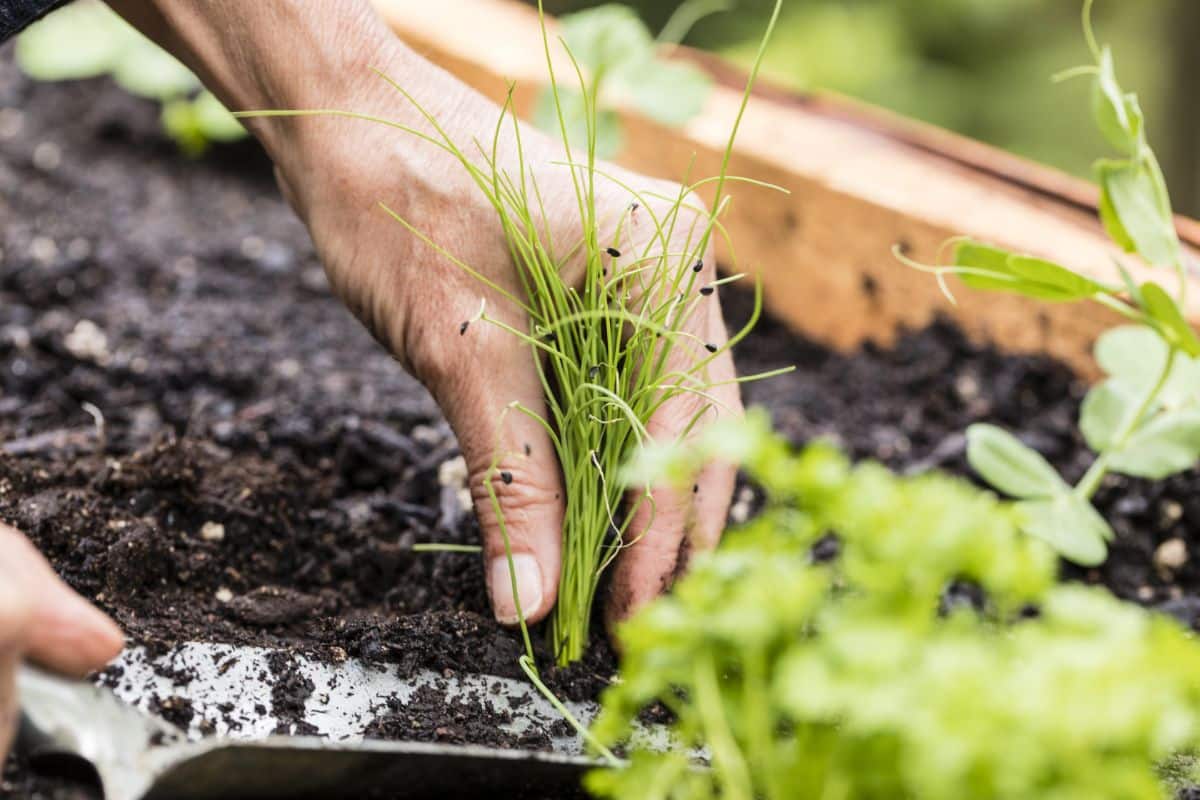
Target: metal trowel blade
x=233, y=747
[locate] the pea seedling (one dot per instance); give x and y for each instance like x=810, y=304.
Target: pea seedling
x=621, y=56
x=87, y=40
x=603, y=349
x=1143, y=420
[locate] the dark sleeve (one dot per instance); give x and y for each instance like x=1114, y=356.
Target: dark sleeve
x=16, y=14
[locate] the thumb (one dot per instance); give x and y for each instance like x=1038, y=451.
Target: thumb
x=515, y=482
x=43, y=619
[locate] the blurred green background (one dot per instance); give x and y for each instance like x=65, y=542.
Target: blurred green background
x=980, y=67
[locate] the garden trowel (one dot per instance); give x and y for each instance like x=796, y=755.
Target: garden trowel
x=227, y=741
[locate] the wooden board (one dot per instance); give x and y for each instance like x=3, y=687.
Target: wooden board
x=861, y=181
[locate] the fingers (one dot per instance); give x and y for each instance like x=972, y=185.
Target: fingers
x=675, y=522
x=15, y=611
x=42, y=619
x=510, y=452
x=8, y=701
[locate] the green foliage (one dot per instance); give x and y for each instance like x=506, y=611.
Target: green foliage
x=977, y=67
x=194, y=124
x=1131, y=214
x=984, y=267
x=1069, y=524
x=848, y=47
x=1049, y=509
x=87, y=40
x=1144, y=419
x=1011, y=466
x=869, y=676
x=1135, y=207
x=622, y=59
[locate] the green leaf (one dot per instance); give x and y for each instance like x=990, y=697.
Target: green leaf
x=1137, y=120
x=1167, y=444
x=215, y=121
x=669, y=92
x=1117, y=115
x=1159, y=306
x=179, y=121
x=82, y=40
x=146, y=70
x=1070, y=525
x=1053, y=276
x=1183, y=384
x=574, y=111
x=1106, y=410
x=607, y=37
x=1134, y=354
x=976, y=255
x=1112, y=223
x=1010, y=466
x=1026, y=275
x=1132, y=213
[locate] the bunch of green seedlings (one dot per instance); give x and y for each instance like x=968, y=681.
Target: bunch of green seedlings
x=87, y=40
x=870, y=636
x=624, y=61
x=603, y=349
x=1144, y=419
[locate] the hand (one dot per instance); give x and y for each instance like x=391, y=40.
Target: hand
x=43, y=620
x=335, y=172
x=415, y=301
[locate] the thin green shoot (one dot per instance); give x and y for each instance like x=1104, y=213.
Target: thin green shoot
x=439, y=547
x=689, y=13
x=1089, y=31
x=530, y=668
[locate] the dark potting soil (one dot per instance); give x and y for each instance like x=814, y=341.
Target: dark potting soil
x=205, y=443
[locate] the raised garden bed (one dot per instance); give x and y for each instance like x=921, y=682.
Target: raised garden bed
x=263, y=468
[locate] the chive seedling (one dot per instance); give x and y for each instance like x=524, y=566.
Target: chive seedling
x=609, y=371
x=608, y=350
x=1143, y=420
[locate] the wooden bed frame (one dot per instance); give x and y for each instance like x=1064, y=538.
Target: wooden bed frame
x=862, y=180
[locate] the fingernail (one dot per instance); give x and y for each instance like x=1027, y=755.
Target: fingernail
x=529, y=587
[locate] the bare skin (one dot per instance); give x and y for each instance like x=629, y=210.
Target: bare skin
x=42, y=620
x=289, y=54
